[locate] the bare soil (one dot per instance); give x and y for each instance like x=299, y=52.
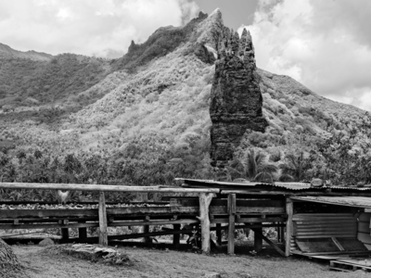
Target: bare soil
x=46, y=262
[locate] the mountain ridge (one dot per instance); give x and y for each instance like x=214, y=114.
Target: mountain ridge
x=8, y=52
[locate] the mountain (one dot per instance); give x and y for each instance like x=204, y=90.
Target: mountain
x=8, y=52
x=147, y=113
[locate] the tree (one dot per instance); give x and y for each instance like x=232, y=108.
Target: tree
x=253, y=167
x=295, y=167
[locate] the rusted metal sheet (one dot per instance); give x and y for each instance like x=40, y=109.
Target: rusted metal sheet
x=349, y=201
x=324, y=225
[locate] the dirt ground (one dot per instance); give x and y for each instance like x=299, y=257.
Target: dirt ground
x=46, y=262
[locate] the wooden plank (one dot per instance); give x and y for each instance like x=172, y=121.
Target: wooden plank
x=47, y=226
x=252, y=220
x=325, y=230
x=350, y=265
x=276, y=247
x=151, y=210
x=293, y=193
x=289, y=226
x=325, y=236
x=105, y=188
x=268, y=210
x=231, y=224
x=337, y=243
x=26, y=213
x=354, y=253
x=323, y=215
x=103, y=240
x=152, y=222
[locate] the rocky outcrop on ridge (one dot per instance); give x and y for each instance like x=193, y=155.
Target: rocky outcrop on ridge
x=236, y=99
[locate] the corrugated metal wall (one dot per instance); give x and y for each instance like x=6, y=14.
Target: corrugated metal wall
x=317, y=225
x=364, y=229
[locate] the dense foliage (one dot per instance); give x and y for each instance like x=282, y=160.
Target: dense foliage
x=25, y=82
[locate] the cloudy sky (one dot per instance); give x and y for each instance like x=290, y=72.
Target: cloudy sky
x=324, y=44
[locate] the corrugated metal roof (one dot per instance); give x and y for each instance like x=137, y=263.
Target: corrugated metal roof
x=284, y=185
x=292, y=185
x=350, y=201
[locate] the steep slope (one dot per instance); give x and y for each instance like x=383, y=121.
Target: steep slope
x=152, y=109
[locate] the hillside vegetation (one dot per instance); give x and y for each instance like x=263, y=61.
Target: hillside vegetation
x=144, y=119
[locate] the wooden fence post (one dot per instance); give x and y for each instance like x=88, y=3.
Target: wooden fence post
x=205, y=201
x=231, y=223
x=289, y=226
x=103, y=236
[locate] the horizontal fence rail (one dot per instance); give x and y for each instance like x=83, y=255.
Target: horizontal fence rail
x=105, y=188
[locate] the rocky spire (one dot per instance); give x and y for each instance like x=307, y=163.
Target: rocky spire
x=236, y=100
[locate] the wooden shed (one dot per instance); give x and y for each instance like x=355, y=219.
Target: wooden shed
x=331, y=225
x=323, y=220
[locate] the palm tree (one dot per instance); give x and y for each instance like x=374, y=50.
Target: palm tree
x=254, y=167
x=295, y=167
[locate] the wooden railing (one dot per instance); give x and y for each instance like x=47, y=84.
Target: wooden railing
x=205, y=197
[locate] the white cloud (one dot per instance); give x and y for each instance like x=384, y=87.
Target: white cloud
x=87, y=27
x=324, y=44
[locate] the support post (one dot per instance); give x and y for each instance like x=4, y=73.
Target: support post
x=219, y=233
x=289, y=226
x=64, y=234
x=176, y=239
x=280, y=234
x=146, y=230
x=82, y=234
x=231, y=223
x=205, y=201
x=103, y=236
x=258, y=239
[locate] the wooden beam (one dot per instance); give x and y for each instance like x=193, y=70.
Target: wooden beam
x=276, y=247
x=46, y=226
x=205, y=201
x=103, y=240
x=105, y=188
x=231, y=223
x=289, y=226
x=295, y=193
x=152, y=222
